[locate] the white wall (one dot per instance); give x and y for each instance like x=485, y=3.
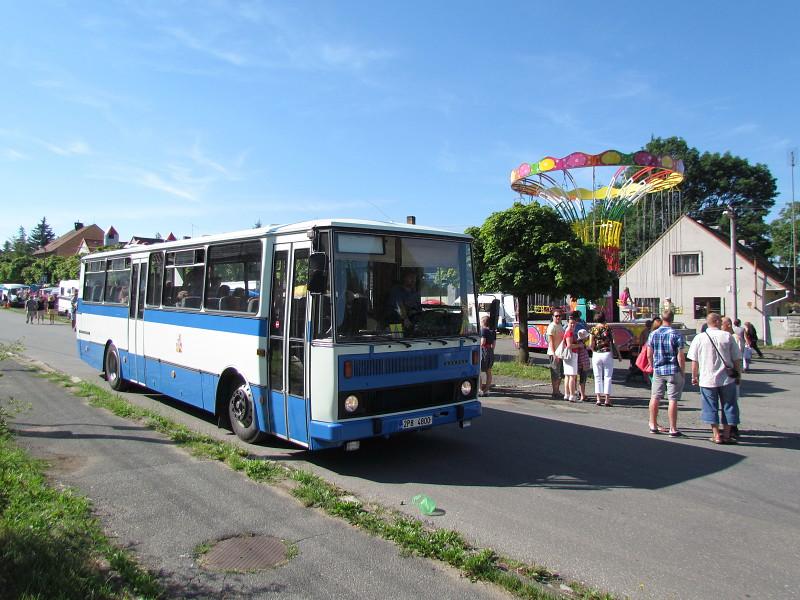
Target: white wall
x=651, y=276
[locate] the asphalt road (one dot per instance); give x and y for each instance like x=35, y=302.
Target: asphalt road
x=582, y=489
x=162, y=503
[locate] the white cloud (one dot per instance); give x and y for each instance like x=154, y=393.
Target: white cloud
x=76, y=147
x=348, y=56
x=155, y=181
x=11, y=154
x=206, y=47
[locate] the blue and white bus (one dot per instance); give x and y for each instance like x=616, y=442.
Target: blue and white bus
x=322, y=333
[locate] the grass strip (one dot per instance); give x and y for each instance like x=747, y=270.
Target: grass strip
x=412, y=536
x=790, y=344
x=515, y=369
x=51, y=546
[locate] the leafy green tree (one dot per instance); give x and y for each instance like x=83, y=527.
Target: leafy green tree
x=11, y=268
x=714, y=181
x=780, y=230
x=529, y=249
x=41, y=235
x=66, y=267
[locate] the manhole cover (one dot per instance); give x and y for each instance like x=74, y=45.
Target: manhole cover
x=245, y=554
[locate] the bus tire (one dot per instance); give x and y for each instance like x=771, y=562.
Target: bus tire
x=241, y=411
x=113, y=369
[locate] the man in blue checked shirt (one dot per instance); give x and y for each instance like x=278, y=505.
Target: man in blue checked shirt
x=665, y=352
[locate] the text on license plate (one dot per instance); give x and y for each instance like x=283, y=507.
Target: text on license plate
x=417, y=422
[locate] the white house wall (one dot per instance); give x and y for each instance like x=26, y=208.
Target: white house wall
x=651, y=276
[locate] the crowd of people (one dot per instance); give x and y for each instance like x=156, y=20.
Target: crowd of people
x=719, y=354
x=40, y=306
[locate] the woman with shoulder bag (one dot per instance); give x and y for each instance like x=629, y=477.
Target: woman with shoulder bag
x=568, y=352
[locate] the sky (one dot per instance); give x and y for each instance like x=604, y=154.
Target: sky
x=201, y=117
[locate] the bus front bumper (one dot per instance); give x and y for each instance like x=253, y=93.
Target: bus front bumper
x=335, y=434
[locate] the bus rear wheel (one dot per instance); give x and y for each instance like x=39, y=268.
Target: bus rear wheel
x=113, y=369
x=241, y=411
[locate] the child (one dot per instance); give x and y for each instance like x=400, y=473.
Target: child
x=488, y=342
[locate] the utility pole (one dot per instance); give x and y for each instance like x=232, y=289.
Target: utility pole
x=792, y=159
x=735, y=294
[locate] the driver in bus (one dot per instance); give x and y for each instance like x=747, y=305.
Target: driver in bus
x=405, y=301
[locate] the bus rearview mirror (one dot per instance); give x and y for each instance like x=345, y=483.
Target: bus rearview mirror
x=317, y=272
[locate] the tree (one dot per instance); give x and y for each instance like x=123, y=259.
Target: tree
x=477, y=254
x=11, y=269
x=66, y=267
x=780, y=230
x=41, y=235
x=20, y=242
x=529, y=249
x=713, y=181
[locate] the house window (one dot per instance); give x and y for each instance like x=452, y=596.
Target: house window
x=686, y=264
x=703, y=306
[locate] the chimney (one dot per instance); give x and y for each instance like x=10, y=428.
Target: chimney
x=78, y=225
x=411, y=220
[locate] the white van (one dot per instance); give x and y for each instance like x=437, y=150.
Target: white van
x=15, y=293
x=66, y=289
x=505, y=319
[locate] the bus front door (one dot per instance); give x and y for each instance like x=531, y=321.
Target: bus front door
x=136, y=360
x=288, y=342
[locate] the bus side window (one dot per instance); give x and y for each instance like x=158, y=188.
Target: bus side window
x=276, y=322
x=155, y=279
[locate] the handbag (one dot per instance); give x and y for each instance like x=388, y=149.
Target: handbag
x=564, y=352
x=642, y=363
x=732, y=371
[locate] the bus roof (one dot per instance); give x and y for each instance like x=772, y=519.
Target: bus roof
x=284, y=229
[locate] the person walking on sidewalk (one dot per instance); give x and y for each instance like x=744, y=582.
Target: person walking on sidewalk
x=488, y=342
x=751, y=337
x=665, y=353
x=554, y=336
x=715, y=357
x=30, y=309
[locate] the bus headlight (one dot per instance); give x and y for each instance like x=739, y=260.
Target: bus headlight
x=466, y=388
x=351, y=403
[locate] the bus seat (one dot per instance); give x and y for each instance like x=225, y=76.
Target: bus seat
x=192, y=302
x=252, y=305
x=230, y=303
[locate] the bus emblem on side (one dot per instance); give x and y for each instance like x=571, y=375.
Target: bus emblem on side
x=179, y=344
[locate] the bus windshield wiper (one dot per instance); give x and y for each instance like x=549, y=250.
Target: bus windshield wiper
x=379, y=336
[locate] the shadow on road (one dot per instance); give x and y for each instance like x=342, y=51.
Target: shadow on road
x=508, y=449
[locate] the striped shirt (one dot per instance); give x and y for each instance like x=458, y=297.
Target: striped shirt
x=666, y=344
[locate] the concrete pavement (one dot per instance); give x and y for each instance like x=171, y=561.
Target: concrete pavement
x=582, y=489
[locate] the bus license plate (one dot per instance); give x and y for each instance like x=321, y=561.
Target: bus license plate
x=417, y=422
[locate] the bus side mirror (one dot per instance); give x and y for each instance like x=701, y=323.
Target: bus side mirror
x=317, y=273
x=494, y=313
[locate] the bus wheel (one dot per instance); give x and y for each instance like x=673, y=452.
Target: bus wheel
x=113, y=369
x=241, y=411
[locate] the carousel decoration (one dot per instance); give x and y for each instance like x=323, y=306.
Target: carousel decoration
x=618, y=182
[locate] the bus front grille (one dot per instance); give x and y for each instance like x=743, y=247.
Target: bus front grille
x=410, y=363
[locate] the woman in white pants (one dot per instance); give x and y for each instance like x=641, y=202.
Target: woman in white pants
x=602, y=344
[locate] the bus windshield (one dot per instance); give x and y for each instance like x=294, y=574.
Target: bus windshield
x=392, y=286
